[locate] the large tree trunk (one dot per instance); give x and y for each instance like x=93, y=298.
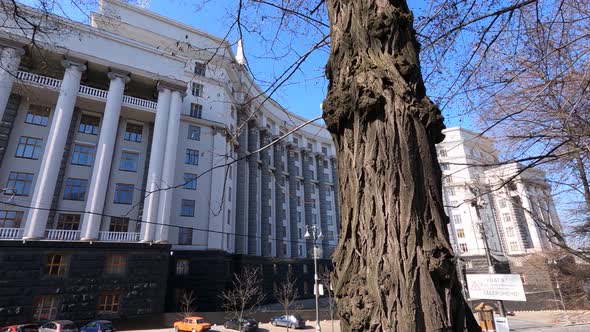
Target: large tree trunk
x=394, y=267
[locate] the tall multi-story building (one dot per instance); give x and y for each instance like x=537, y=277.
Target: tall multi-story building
x=136, y=163
x=510, y=202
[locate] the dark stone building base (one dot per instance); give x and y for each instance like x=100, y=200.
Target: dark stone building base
x=211, y=272
x=141, y=286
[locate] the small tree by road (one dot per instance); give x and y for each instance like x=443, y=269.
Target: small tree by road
x=287, y=293
x=186, y=302
x=245, y=294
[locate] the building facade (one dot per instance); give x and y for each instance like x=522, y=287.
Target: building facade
x=507, y=201
x=135, y=132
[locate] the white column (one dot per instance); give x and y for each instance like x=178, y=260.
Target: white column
x=165, y=205
x=9, y=61
x=104, y=156
x=154, y=177
x=217, y=201
x=53, y=153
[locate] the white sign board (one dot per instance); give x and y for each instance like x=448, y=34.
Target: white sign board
x=501, y=324
x=507, y=287
x=321, y=288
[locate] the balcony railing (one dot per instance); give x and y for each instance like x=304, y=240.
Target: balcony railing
x=11, y=233
x=63, y=235
x=118, y=237
x=87, y=91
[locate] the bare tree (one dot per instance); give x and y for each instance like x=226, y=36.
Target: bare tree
x=326, y=280
x=245, y=294
x=287, y=293
x=186, y=302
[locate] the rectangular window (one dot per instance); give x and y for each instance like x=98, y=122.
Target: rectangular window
x=192, y=157
x=185, y=236
x=450, y=191
x=460, y=233
x=10, y=219
x=509, y=231
x=194, y=132
x=116, y=264
x=68, y=221
x=457, y=219
x=229, y=217
x=75, y=189
x=200, y=68
x=187, y=208
x=299, y=233
x=46, y=308
x=89, y=124
x=463, y=247
x=300, y=250
x=284, y=248
x=119, y=224
x=502, y=203
x=298, y=215
x=190, y=181
x=133, y=132
x=506, y=217
x=56, y=265
x=325, y=164
x=313, y=204
x=29, y=147
x=448, y=179
x=442, y=152
x=314, y=219
x=38, y=115
x=83, y=155
x=330, y=235
x=444, y=166
x=182, y=267
x=196, y=111
x=123, y=193
x=197, y=89
x=298, y=201
x=325, y=150
x=19, y=184
x=108, y=303
x=514, y=246
x=128, y=161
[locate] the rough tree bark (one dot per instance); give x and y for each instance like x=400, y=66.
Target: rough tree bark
x=394, y=267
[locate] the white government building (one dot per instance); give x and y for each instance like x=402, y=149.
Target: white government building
x=514, y=200
x=107, y=114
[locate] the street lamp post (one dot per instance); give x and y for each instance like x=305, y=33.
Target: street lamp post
x=479, y=203
x=314, y=233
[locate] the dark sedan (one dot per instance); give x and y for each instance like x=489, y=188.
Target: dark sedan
x=290, y=321
x=98, y=326
x=244, y=325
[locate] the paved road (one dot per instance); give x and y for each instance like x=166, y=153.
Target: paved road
x=517, y=325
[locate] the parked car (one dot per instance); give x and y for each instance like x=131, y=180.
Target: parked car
x=193, y=324
x=21, y=328
x=98, y=326
x=291, y=321
x=244, y=325
x=59, y=326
